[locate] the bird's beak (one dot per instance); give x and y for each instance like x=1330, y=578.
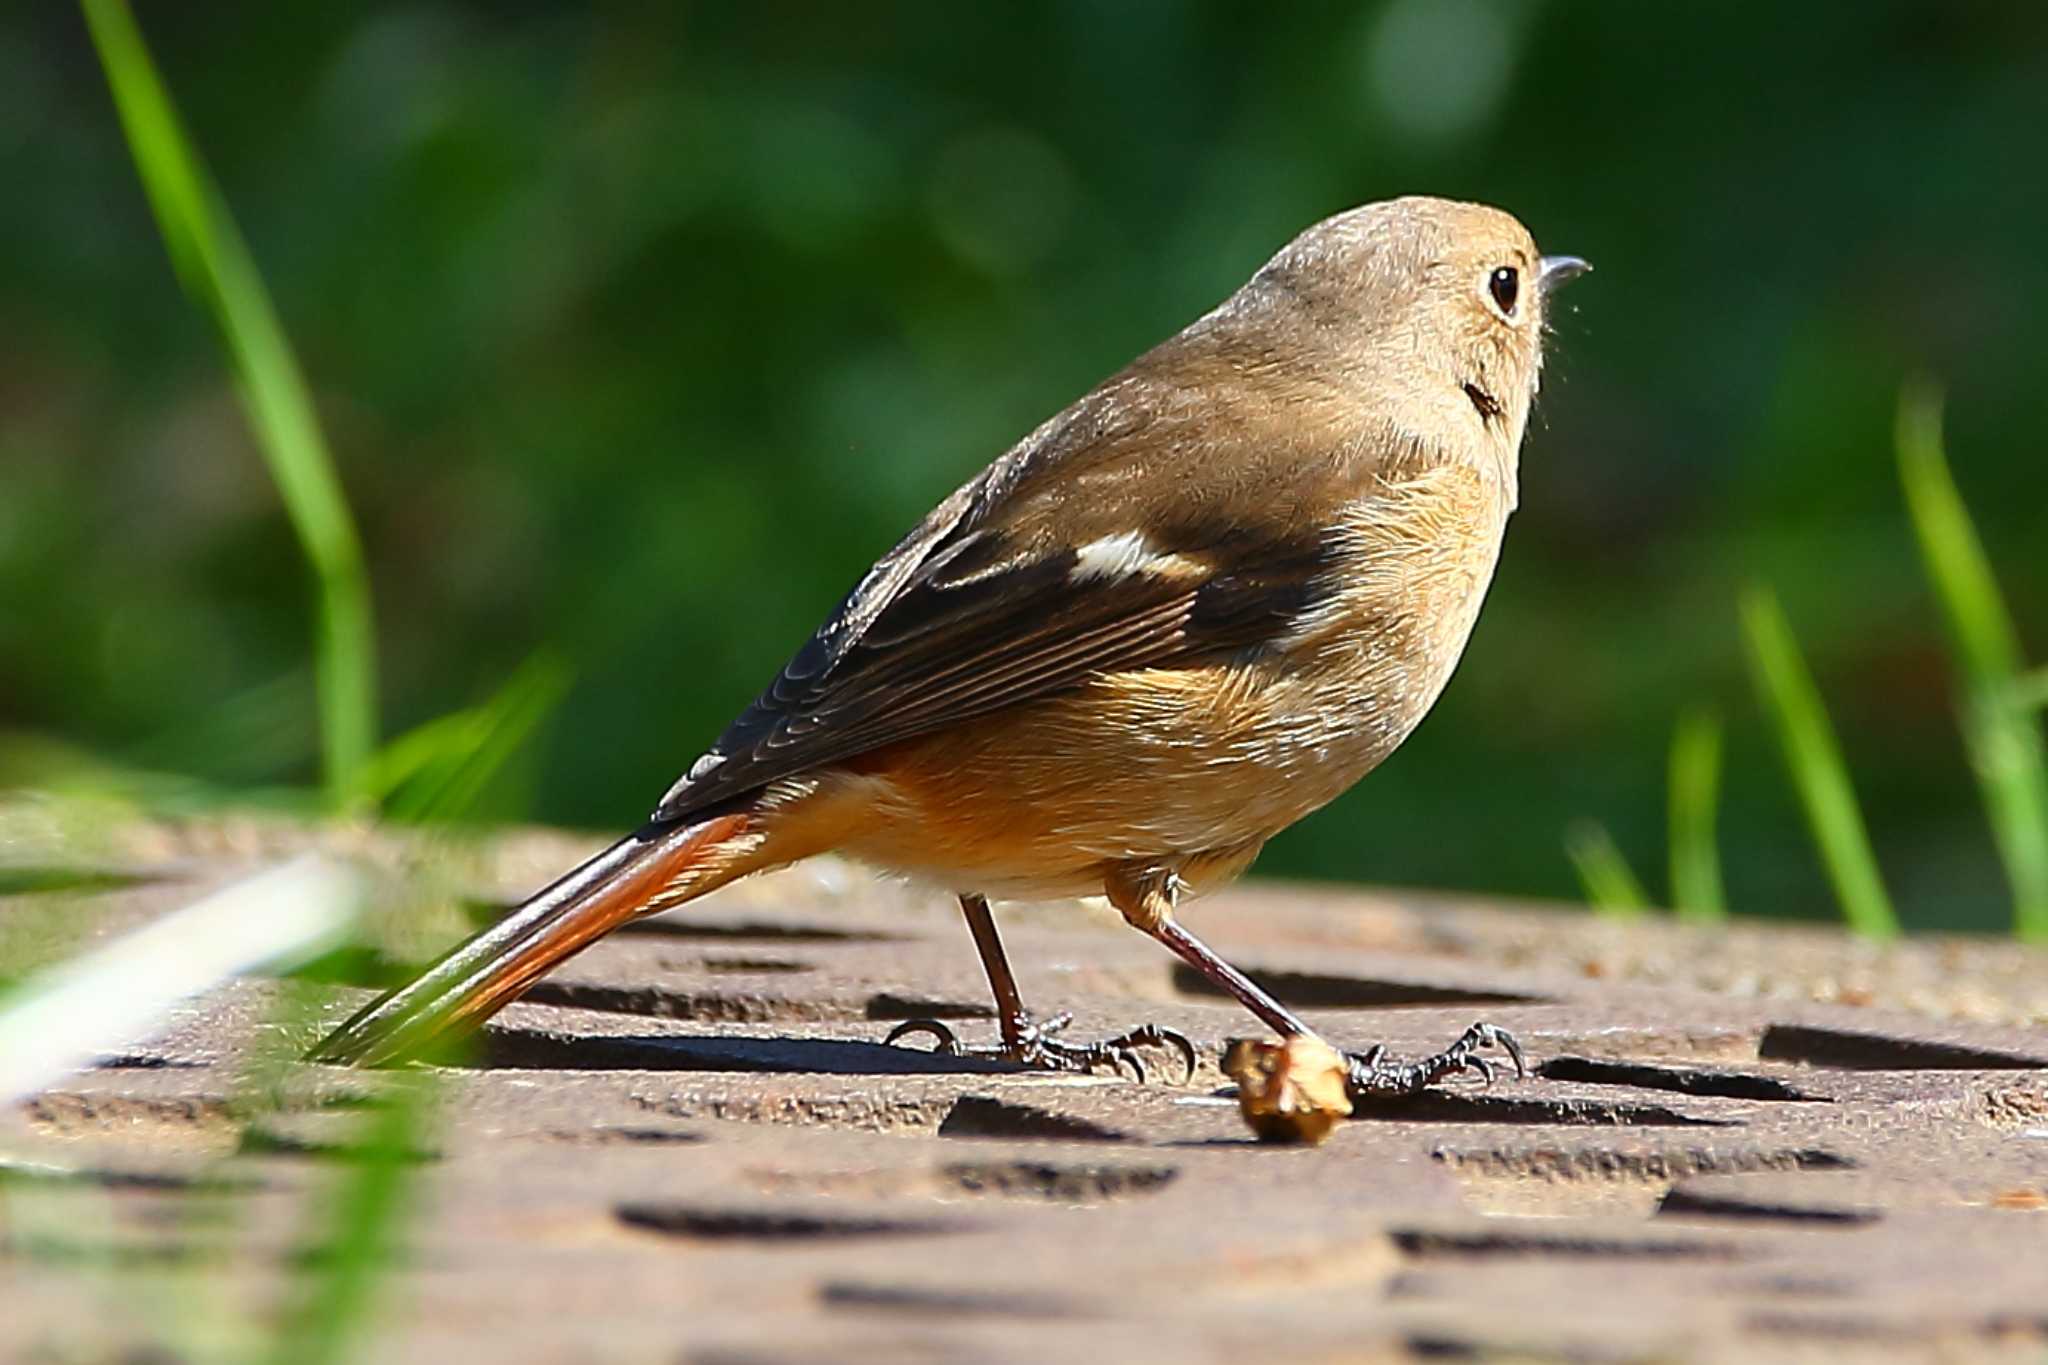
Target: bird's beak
x=1555, y=270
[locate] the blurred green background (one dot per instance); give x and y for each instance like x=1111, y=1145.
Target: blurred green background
x=639, y=331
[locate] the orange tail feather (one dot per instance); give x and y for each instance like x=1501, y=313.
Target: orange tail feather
x=477, y=978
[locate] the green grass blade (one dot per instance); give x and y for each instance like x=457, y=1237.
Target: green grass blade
x=1695, y=797
x=2000, y=731
x=215, y=267
x=1611, y=887
x=2030, y=692
x=360, y=1248
x=1814, y=756
x=413, y=756
x=441, y=770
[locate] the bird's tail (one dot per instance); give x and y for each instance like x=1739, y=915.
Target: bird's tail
x=658, y=865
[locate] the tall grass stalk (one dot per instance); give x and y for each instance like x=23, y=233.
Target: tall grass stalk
x=2000, y=731
x=1610, y=885
x=215, y=267
x=1694, y=801
x=1814, y=756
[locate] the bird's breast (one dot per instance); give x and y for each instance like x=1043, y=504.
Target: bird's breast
x=1415, y=559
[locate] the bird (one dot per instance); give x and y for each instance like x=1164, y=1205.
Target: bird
x=1190, y=608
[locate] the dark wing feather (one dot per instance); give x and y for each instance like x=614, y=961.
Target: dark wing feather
x=979, y=608
x=1030, y=637
x=943, y=650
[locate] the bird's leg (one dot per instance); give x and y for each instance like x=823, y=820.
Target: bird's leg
x=1002, y=982
x=1027, y=1042
x=1146, y=899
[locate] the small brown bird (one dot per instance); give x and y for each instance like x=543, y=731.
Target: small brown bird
x=1191, y=608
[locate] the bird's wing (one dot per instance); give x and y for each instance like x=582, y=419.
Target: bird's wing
x=1029, y=581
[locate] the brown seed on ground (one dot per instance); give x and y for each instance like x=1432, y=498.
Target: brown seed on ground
x=1291, y=1091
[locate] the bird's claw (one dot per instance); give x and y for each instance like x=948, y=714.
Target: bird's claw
x=945, y=1042
x=1038, y=1047
x=1373, y=1075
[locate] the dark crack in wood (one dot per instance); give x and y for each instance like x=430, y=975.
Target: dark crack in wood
x=888, y=1005
x=1445, y=1106
x=1422, y=1244
x=517, y=1049
x=1851, y=1051
x=664, y=1002
x=1053, y=1183
x=1679, y=1080
x=698, y=1223
x=984, y=1116
x=940, y=1304
x=1693, y=1203
x=612, y=1135
x=1658, y=1166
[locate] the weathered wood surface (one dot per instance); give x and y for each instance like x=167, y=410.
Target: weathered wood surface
x=689, y=1145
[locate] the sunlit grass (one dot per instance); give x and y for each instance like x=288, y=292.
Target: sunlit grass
x=1814, y=757
x=1695, y=796
x=1610, y=886
x=214, y=265
x=1997, y=696
x=440, y=770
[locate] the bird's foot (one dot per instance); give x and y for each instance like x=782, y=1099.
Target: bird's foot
x=1374, y=1075
x=1037, y=1047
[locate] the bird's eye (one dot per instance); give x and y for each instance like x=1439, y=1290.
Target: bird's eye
x=1505, y=284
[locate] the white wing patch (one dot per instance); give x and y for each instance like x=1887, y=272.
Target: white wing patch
x=1127, y=553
